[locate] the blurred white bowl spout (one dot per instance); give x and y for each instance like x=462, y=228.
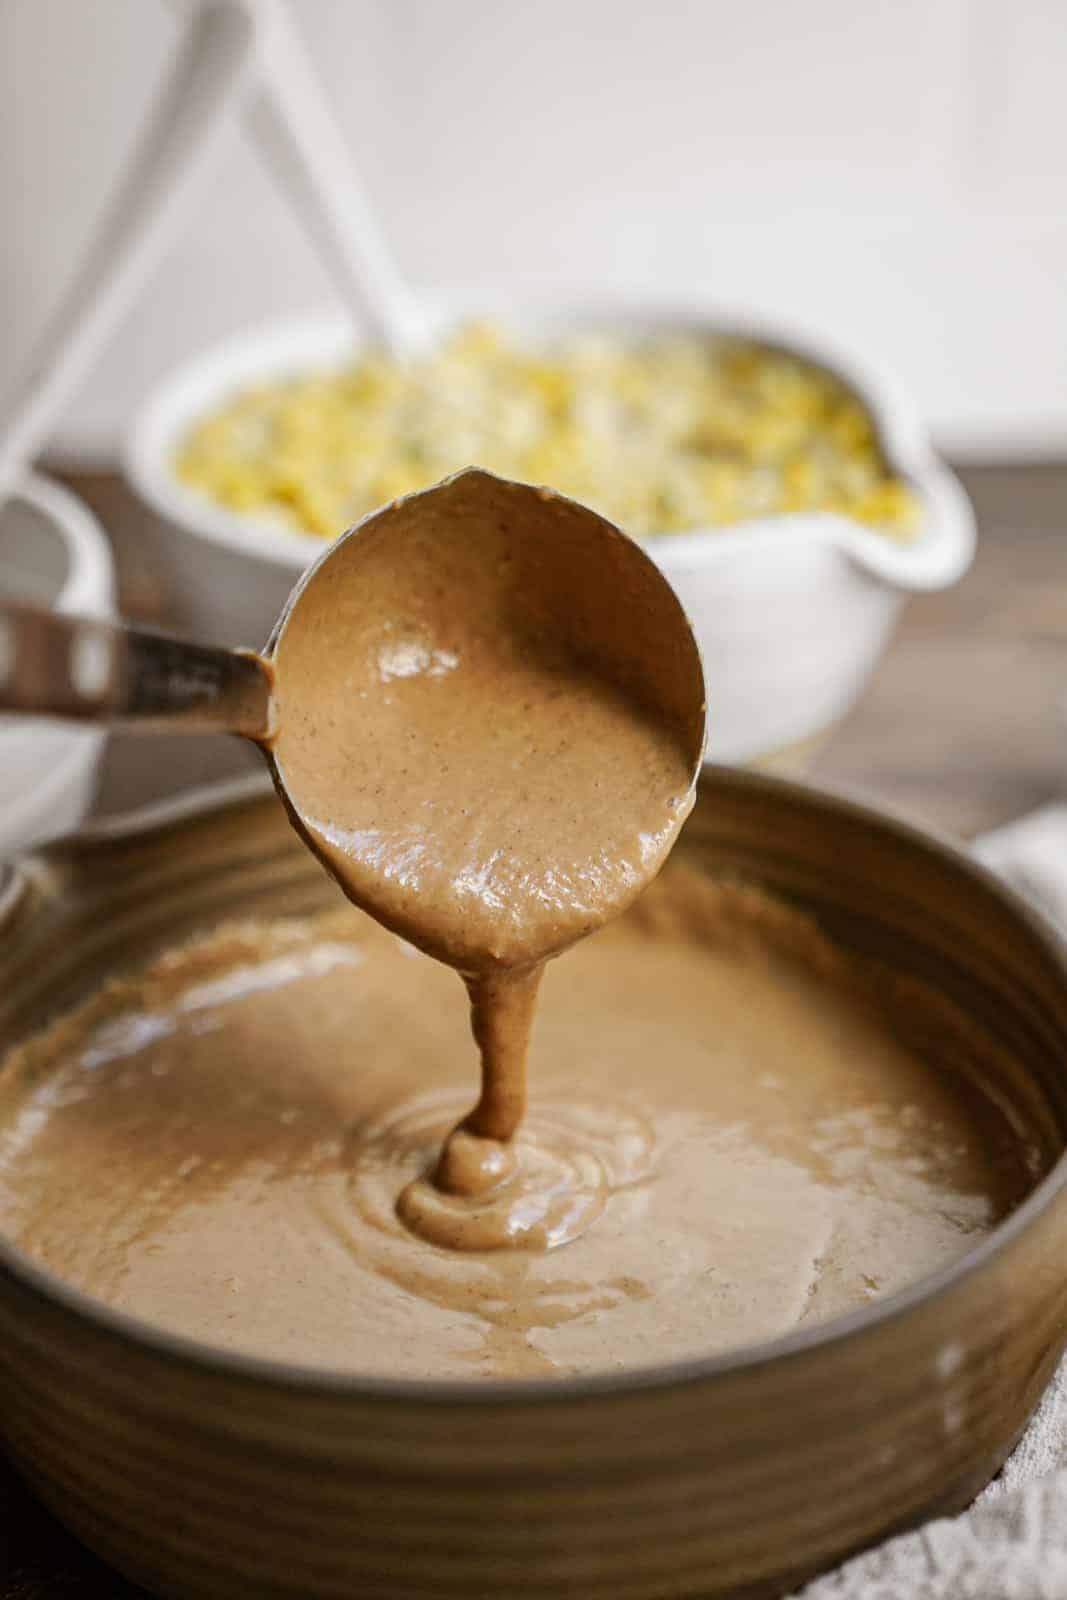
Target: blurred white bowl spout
x=52, y=553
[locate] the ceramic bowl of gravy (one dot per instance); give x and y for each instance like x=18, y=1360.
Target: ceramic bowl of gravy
x=857, y=1096
x=791, y=611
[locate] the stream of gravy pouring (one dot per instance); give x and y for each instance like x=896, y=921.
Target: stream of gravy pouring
x=485, y=711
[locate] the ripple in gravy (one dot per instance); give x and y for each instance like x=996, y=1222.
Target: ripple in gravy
x=489, y=711
x=217, y=1146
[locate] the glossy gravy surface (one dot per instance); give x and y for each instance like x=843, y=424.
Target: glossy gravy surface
x=218, y=1147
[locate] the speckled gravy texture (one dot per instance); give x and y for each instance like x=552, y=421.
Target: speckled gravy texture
x=218, y=1147
x=489, y=711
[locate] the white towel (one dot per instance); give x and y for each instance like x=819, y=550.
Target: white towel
x=1012, y=1543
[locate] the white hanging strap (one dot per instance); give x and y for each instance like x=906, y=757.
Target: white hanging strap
x=297, y=132
x=231, y=47
x=208, y=78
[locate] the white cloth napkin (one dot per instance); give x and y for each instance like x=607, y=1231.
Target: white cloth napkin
x=1012, y=1543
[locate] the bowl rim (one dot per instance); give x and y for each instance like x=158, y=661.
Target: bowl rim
x=439, y=1392
x=289, y=344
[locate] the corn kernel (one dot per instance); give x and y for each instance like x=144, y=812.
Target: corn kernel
x=663, y=435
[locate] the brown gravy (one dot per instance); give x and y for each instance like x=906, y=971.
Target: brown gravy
x=218, y=1146
x=470, y=753
x=265, y=1142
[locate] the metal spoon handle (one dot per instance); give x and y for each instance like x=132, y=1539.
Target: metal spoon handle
x=92, y=671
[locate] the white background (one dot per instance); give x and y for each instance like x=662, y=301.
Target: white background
x=890, y=170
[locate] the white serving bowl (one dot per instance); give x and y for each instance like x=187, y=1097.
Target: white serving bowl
x=791, y=611
x=52, y=553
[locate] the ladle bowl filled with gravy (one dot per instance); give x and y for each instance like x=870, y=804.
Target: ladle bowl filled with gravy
x=807, y=1090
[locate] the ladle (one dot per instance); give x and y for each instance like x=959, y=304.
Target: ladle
x=568, y=581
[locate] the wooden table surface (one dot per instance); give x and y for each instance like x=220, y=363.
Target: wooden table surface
x=963, y=728
x=965, y=723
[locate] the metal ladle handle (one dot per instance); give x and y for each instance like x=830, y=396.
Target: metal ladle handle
x=92, y=671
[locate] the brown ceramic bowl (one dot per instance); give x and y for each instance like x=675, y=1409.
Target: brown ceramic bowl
x=204, y=1474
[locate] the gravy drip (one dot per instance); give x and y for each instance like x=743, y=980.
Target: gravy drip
x=466, y=741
